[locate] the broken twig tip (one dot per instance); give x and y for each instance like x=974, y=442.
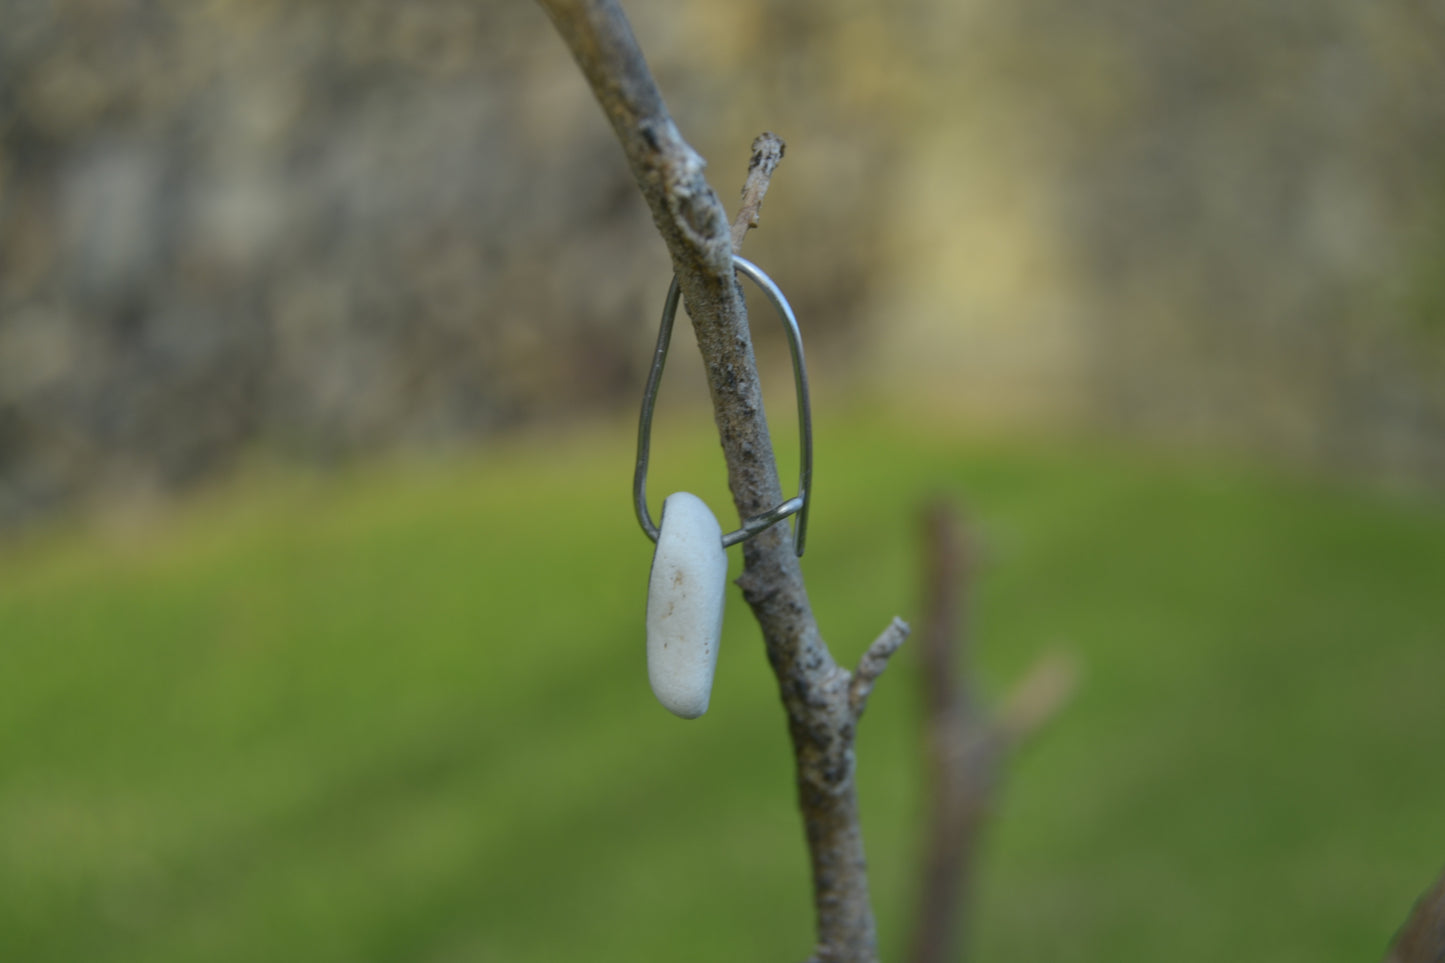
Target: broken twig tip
x=768, y=149
x=874, y=661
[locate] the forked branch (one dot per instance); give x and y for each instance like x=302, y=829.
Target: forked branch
x=966, y=746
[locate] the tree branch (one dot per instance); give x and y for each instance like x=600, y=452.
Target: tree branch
x=961, y=750
x=966, y=748
x=814, y=689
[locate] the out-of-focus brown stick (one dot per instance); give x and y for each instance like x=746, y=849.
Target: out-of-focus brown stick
x=965, y=748
x=1422, y=938
x=961, y=753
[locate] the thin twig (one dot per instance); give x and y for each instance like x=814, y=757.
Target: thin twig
x=768, y=149
x=814, y=689
x=872, y=664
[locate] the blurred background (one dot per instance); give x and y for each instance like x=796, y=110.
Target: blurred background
x=321, y=328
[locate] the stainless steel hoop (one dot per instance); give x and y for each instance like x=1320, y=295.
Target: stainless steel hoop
x=798, y=504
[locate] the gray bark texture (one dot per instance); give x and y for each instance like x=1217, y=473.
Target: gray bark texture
x=822, y=702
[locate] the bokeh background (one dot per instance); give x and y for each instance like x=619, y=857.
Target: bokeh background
x=321, y=328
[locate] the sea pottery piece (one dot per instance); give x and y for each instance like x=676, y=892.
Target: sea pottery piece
x=685, y=605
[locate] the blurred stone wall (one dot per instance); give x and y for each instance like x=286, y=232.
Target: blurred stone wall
x=1268, y=209
x=1220, y=222
x=326, y=228
x=321, y=227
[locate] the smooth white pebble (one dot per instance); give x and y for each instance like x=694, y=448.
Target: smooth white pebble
x=685, y=597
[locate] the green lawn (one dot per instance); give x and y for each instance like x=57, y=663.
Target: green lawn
x=403, y=715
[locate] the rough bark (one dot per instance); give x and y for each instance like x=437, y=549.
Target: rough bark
x=815, y=690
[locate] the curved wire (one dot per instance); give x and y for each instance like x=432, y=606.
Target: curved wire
x=798, y=504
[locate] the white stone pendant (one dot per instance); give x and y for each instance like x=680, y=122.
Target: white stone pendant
x=685, y=597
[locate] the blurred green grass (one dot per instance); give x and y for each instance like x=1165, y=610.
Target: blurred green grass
x=403, y=714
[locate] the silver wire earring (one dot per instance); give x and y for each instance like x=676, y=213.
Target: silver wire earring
x=689, y=567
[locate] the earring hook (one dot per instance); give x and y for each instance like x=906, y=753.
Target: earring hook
x=796, y=505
